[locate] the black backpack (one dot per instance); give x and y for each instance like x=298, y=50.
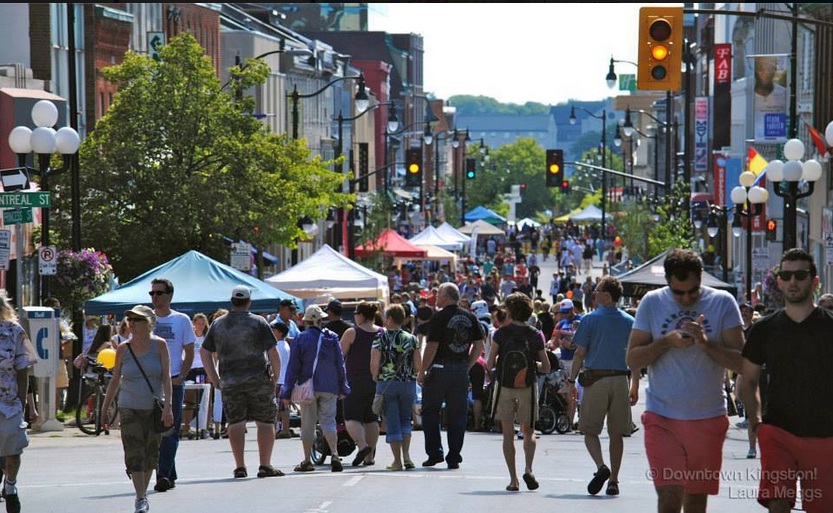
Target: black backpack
x=516, y=365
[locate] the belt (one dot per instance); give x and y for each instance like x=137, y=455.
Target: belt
x=606, y=373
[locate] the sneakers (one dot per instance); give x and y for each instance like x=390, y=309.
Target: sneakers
x=163, y=484
x=13, y=503
x=742, y=424
x=142, y=505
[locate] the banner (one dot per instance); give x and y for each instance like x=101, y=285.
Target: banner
x=722, y=106
x=701, y=134
x=770, y=97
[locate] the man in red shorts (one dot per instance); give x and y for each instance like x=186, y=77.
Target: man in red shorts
x=687, y=335
x=796, y=433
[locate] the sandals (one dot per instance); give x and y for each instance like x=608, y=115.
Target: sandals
x=268, y=471
x=599, y=478
x=361, y=455
x=512, y=488
x=531, y=482
x=409, y=465
x=612, y=488
x=240, y=472
x=394, y=467
x=305, y=466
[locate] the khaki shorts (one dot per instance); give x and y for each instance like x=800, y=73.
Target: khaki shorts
x=517, y=405
x=607, y=397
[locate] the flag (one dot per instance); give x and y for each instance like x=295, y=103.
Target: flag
x=818, y=140
x=756, y=163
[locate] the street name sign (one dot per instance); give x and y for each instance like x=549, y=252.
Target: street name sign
x=17, y=216
x=38, y=199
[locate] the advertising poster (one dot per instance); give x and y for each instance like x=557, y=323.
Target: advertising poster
x=770, y=97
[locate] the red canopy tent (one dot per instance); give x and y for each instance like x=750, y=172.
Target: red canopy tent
x=392, y=245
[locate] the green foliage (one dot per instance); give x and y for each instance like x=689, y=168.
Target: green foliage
x=177, y=164
x=674, y=229
x=468, y=105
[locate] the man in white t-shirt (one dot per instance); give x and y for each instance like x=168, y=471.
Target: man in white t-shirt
x=176, y=328
x=687, y=335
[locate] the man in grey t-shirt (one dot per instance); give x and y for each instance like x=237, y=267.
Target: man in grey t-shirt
x=240, y=339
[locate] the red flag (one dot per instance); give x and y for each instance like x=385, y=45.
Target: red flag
x=818, y=140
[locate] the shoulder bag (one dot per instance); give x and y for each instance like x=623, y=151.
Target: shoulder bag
x=304, y=393
x=158, y=405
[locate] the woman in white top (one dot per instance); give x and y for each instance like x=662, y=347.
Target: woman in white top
x=122, y=334
x=195, y=375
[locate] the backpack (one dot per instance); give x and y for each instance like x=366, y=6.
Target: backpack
x=516, y=363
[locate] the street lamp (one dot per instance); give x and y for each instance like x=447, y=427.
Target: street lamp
x=792, y=172
x=44, y=141
x=752, y=196
x=629, y=128
x=610, y=78
x=603, y=117
x=361, y=97
x=718, y=223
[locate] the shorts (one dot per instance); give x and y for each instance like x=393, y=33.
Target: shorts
x=517, y=405
x=321, y=411
x=250, y=401
x=786, y=458
x=608, y=397
x=685, y=453
x=139, y=440
x=358, y=405
x=13, y=437
x=477, y=379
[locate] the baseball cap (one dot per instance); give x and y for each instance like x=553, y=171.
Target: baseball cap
x=565, y=306
x=241, y=292
x=288, y=302
x=334, y=306
x=313, y=314
x=142, y=311
x=480, y=309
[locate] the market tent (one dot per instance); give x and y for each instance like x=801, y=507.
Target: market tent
x=485, y=214
x=651, y=275
x=527, y=221
x=201, y=284
x=451, y=233
x=431, y=237
x=392, y=245
x=435, y=253
x=329, y=273
x=589, y=214
x=483, y=228
x=566, y=217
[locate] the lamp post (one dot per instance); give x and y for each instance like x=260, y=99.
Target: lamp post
x=785, y=178
x=361, y=97
x=603, y=117
x=752, y=196
x=629, y=128
x=718, y=223
x=610, y=78
x=44, y=141
x=458, y=140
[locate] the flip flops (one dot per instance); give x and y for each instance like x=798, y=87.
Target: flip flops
x=531, y=482
x=599, y=478
x=409, y=465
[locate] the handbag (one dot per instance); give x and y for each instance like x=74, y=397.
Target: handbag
x=304, y=393
x=158, y=405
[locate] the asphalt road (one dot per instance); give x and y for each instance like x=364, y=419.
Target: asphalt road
x=70, y=472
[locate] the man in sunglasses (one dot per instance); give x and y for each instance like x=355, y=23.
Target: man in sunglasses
x=177, y=330
x=686, y=335
x=795, y=430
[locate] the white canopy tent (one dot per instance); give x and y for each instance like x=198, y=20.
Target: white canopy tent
x=483, y=228
x=527, y=221
x=451, y=233
x=431, y=237
x=329, y=273
x=434, y=253
x=589, y=214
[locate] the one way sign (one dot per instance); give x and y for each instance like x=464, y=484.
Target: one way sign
x=15, y=179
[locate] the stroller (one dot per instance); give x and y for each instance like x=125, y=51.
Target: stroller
x=552, y=407
x=344, y=444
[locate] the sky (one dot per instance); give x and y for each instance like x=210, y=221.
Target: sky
x=515, y=53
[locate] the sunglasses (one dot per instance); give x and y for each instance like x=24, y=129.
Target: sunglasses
x=690, y=291
x=157, y=293
x=136, y=319
x=800, y=275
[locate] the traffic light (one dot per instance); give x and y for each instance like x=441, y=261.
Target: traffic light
x=660, y=48
x=565, y=186
x=471, y=169
x=771, y=227
x=413, y=167
x=555, y=167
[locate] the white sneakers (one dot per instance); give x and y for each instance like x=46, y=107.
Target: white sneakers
x=142, y=506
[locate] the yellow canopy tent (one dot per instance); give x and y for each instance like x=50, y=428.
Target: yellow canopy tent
x=566, y=217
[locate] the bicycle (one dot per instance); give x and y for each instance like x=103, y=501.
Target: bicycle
x=88, y=417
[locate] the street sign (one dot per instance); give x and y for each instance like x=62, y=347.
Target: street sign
x=156, y=40
x=48, y=260
x=14, y=179
x=17, y=216
x=828, y=248
x=241, y=256
x=5, y=248
x=37, y=199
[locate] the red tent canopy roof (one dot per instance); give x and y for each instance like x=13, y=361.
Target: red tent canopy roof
x=393, y=245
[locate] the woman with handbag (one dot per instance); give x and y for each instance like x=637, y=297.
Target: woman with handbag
x=394, y=360
x=141, y=376
x=316, y=366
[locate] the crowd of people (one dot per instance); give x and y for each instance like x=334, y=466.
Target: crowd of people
x=465, y=354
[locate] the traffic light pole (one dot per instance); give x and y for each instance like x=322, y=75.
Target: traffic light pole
x=604, y=170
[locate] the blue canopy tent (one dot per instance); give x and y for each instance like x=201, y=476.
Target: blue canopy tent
x=485, y=214
x=201, y=284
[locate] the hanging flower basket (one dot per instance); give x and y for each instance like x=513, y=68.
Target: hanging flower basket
x=773, y=297
x=82, y=275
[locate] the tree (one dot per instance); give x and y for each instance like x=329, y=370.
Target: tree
x=673, y=230
x=179, y=163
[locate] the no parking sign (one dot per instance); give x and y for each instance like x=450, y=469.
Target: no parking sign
x=48, y=261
